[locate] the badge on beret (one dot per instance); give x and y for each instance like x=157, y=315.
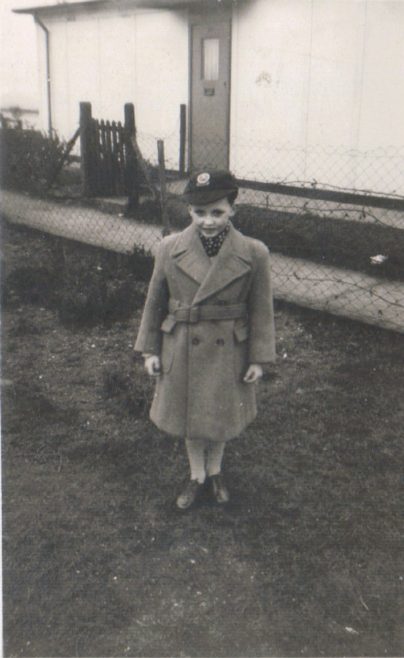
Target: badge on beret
x=203, y=179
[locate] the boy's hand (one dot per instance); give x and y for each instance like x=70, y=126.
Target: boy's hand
x=152, y=365
x=253, y=374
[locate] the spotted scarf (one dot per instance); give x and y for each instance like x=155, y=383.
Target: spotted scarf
x=212, y=245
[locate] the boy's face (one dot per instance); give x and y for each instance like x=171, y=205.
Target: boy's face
x=212, y=217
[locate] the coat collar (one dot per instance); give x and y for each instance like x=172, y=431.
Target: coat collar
x=232, y=262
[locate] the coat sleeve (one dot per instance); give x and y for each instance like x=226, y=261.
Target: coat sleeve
x=261, y=311
x=155, y=310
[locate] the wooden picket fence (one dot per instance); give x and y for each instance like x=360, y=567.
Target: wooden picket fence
x=109, y=163
x=109, y=154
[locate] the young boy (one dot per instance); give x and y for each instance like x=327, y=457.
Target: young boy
x=207, y=329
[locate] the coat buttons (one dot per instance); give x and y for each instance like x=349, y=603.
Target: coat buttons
x=195, y=341
x=220, y=341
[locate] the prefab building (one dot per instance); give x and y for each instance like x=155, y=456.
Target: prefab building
x=293, y=91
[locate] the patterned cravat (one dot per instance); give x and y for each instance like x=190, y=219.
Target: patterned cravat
x=212, y=245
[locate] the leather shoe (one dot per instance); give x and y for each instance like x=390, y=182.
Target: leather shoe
x=189, y=494
x=220, y=491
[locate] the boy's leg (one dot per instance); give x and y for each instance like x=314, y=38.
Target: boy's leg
x=196, y=457
x=214, y=467
x=215, y=456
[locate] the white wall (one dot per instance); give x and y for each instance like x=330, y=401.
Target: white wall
x=112, y=58
x=270, y=54
x=316, y=93
x=162, y=55
x=381, y=125
x=18, y=62
x=316, y=87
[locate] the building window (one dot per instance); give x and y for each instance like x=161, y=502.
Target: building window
x=210, y=59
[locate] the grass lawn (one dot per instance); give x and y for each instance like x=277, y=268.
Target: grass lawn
x=306, y=560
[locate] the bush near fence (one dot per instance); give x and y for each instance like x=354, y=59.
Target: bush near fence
x=28, y=159
x=85, y=285
x=324, y=240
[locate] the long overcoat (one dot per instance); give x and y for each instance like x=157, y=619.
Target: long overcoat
x=200, y=392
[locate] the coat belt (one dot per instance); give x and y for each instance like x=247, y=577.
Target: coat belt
x=192, y=314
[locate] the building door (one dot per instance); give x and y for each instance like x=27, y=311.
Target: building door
x=210, y=89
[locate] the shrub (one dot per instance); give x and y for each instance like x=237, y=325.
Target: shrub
x=149, y=212
x=141, y=264
x=99, y=287
x=347, y=244
x=28, y=158
x=85, y=285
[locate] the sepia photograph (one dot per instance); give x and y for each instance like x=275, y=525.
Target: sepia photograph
x=202, y=347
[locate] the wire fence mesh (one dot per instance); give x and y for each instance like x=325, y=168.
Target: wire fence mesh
x=334, y=247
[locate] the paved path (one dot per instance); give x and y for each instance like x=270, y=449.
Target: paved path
x=342, y=292
x=78, y=222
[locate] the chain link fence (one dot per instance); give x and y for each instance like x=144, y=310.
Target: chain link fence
x=334, y=248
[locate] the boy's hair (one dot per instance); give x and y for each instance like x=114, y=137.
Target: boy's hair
x=210, y=186
x=232, y=197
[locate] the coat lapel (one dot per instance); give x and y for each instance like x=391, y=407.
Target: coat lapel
x=232, y=262
x=190, y=256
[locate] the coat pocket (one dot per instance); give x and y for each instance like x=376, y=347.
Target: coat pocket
x=240, y=332
x=168, y=344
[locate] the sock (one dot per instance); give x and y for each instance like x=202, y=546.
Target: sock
x=215, y=456
x=196, y=457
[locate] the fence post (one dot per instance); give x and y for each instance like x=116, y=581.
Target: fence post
x=85, y=148
x=183, y=134
x=163, y=188
x=131, y=169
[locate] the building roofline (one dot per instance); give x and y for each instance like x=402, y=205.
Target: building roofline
x=59, y=5
x=107, y=4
